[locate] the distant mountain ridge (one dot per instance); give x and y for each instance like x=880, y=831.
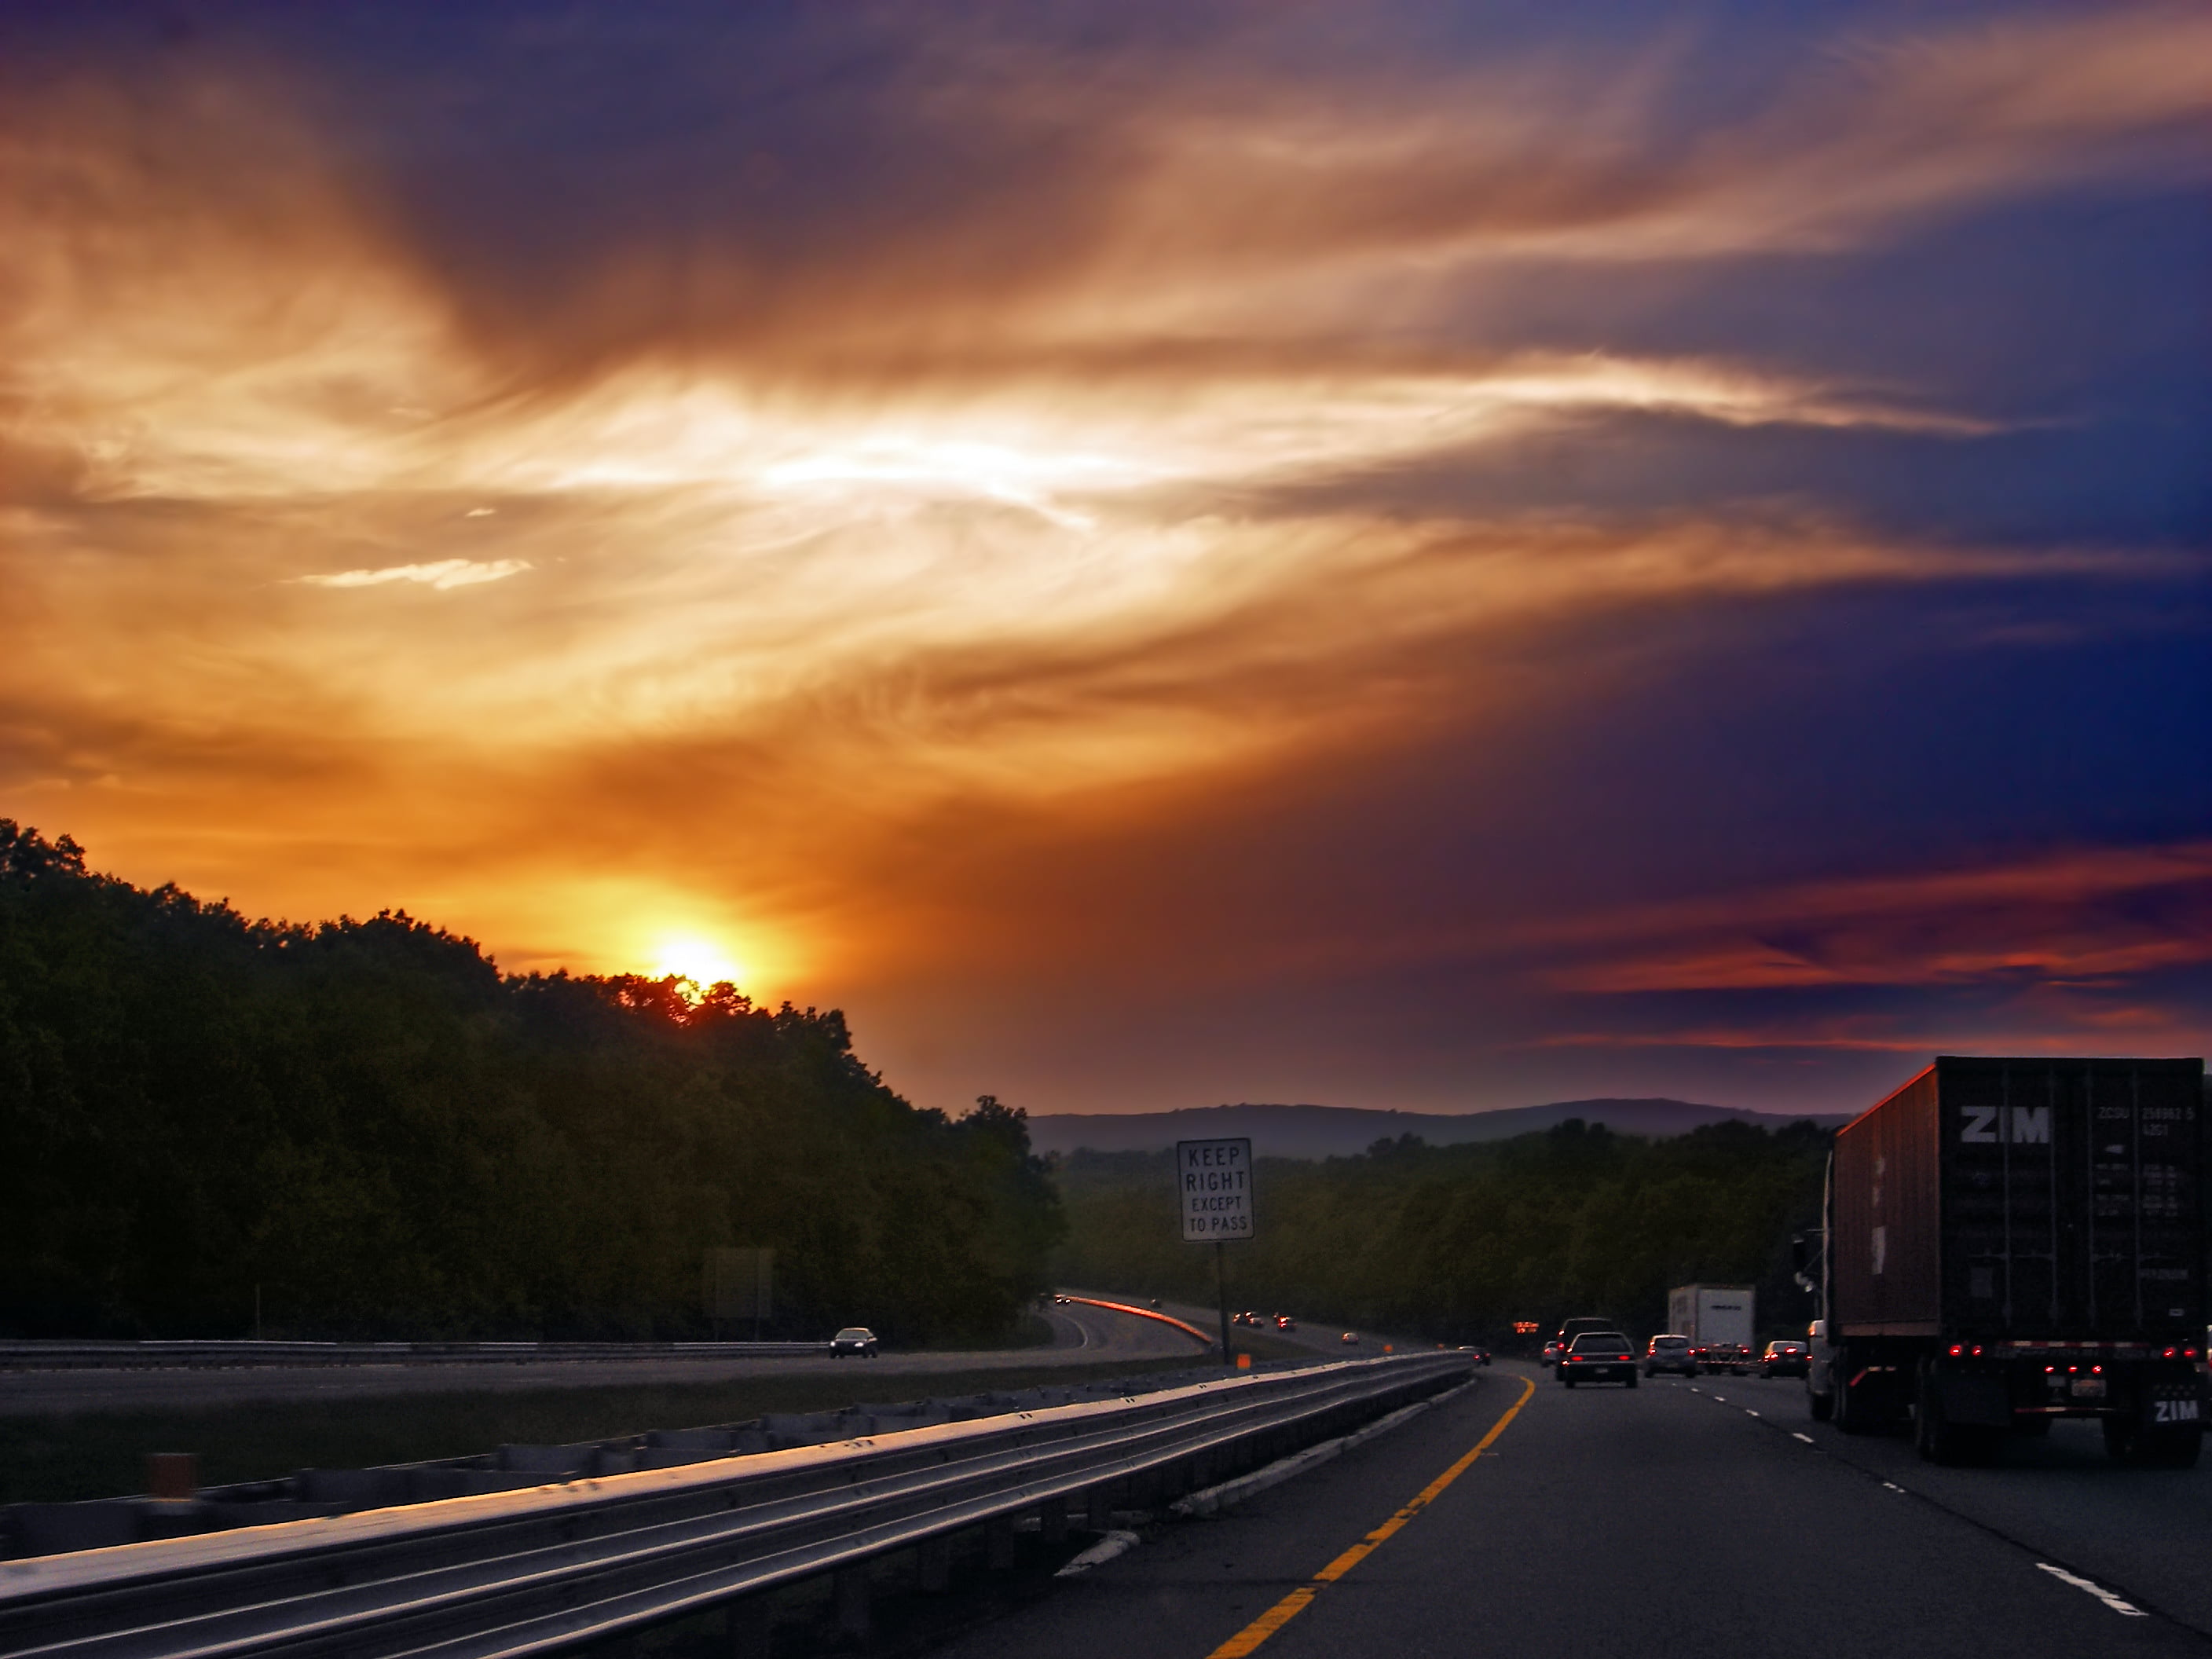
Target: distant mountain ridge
x=1316, y=1132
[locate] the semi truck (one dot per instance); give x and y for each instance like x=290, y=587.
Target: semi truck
x=2012, y=1241
x=1710, y=1314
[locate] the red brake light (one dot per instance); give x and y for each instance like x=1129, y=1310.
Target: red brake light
x=2168, y=1354
x=1956, y=1350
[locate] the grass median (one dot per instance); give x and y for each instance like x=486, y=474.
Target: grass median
x=61, y=1459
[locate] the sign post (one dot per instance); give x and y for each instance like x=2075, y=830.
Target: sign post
x=739, y=1284
x=1213, y=1186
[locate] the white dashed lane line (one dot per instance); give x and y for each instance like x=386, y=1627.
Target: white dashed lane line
x=2097, y=1590
x=2117, y=1603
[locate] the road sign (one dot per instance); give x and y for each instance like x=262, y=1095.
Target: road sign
x=739, y=1284
x=1213, y=1184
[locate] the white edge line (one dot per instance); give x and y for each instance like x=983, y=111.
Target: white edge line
x=1113, y=1544
x=1211, y=1498
x=1806, y=1438
x=2097, y=1590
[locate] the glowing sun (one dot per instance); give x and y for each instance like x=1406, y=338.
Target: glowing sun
x=699, y=960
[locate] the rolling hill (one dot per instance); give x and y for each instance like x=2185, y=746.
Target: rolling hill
x=1315, y=1132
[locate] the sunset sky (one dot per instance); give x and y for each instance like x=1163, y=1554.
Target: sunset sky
x=1405, y=557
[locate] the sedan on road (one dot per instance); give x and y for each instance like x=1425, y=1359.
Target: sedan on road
x=1350, y=1339
x=1599, y=1357
x=854, y=1340
x=1784, y=1359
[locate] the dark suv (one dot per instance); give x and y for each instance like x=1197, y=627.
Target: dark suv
x=1571, y=1330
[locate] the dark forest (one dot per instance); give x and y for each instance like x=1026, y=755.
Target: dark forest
x=1457, y=1243
x=369, y=1130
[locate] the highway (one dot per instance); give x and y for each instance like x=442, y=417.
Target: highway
x=1671, y=1519
x=1081, y=1336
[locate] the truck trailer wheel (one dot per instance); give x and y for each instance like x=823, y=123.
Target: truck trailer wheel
x=1849, y=1408
x=1935, y=1440
x=2174, y=1449
x=2127, y=1442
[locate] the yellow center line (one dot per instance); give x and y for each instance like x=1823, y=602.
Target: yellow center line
x=1247, y=1639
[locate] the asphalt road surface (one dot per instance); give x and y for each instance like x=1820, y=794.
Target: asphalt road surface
x=1081, y=1336
x=1676, y=1518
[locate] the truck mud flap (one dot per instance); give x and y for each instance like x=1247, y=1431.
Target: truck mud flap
x=2176, y=1405
x=1973, y=1401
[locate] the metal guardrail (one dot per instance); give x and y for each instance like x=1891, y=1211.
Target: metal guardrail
x=525, y=1572
x=210, y=1353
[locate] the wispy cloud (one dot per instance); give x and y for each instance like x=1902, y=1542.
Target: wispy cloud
x=441, y=574
x=2098, y=914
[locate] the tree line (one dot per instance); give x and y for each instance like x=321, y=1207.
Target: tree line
x=1456, y=1243
x=367, y=1130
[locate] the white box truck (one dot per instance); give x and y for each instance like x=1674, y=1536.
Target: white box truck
x=1714, y=1316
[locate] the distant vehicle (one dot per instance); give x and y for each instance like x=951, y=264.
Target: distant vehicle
x=1350, y=1339
x=1551, y=1353
x=1480, y=1353
x=1154, y=1304
x=1670, y=1353
x=1712, y=1314
x=1575, y=1328
x=1733, y=1357
x=1059, y=1301
x=1784, y=1359
x=1285, y=1322
x=1248, y=1317
x=1599, y=1357
x=854, y=1339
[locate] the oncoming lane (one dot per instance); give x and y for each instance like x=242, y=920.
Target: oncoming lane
x=1638, y=1521
x=1082, y=1336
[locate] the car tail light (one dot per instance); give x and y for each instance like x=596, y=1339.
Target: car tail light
x=1957, y=1349
x=1978, y=1351
x=2169, y=1353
